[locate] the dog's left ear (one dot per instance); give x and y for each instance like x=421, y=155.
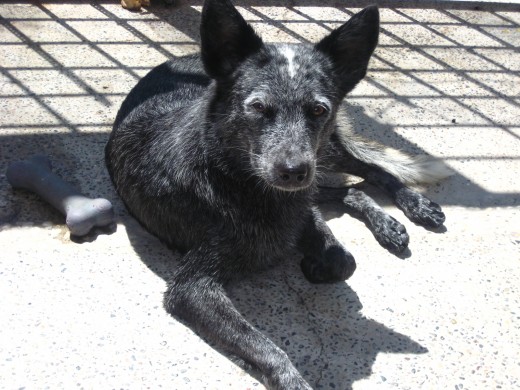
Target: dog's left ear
x=351, y=45
x=226, y=38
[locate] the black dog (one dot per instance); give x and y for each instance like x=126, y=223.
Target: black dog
x=219, y=154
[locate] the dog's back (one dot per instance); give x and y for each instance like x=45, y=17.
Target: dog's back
x=172, y=85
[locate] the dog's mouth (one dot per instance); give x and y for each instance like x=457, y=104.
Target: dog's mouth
x=289, y=188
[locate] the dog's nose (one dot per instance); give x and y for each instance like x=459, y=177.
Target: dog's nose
x=293, y=174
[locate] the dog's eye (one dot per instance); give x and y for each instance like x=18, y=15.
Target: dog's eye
x=318, y=110
x=260, y=107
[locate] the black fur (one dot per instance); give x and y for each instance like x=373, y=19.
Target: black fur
x=218, y=156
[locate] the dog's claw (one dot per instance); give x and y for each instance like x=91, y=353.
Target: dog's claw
x=428, y=214
x=420, y=209
x=391, y=235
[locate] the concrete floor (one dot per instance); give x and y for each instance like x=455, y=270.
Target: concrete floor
x=89, y=315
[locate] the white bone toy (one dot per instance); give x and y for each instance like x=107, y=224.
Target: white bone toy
x=82, y=214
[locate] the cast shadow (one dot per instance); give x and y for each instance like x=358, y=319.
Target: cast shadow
x=456, y=190
x=320, y=327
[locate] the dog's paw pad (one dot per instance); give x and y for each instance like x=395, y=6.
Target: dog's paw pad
x=391, y=235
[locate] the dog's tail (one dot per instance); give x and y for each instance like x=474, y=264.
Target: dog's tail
x=420, y=169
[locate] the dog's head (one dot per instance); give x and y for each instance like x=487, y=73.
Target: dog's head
x=276, y=105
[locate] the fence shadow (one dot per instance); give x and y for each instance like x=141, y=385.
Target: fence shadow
x=67, y=66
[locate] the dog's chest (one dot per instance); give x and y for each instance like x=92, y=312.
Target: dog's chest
x=267, y=229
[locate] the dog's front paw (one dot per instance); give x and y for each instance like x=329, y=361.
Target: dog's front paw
x=390, y=233
x=420, y=209
x=334, y=265
x=288, y=379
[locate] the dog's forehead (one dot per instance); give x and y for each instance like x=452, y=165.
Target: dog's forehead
x=289, y=60
x=290, y=68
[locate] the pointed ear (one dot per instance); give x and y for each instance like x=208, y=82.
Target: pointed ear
x=351, y=45
x=226, y=38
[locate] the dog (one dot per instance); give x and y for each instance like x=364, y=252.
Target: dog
x=219, y=155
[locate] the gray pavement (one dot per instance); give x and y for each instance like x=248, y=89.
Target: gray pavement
x=89, y=315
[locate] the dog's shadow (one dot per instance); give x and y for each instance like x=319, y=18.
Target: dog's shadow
x=320, y=327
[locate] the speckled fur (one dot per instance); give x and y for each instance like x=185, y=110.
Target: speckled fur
x=218, y=155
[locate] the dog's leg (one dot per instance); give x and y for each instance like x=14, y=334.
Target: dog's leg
x=195, y=295
x=325, y=259
x=388, y=232
x=415, y=206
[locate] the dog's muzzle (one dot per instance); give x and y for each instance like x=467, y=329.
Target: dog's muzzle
x=289, y=176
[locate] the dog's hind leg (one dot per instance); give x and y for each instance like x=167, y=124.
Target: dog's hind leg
x=325, y=259
x=417, y=207
x=195, y=295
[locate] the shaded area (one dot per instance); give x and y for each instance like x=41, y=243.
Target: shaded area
x=328, y=339
x=321, y=329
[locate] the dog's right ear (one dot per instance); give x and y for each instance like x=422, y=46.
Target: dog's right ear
x=226, y=38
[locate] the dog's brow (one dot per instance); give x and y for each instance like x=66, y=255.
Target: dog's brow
x=255, y=96
x=323, y=100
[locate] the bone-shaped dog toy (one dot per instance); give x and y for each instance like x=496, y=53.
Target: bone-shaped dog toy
x=82, y=214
